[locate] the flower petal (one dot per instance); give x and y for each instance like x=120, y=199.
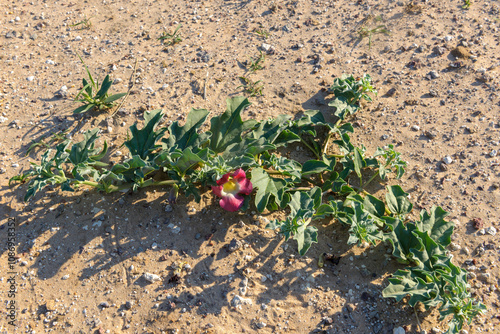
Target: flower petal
x=232, y=203
x=246, y=186
x=217, y=190
x=223, y=179
x=239, y=174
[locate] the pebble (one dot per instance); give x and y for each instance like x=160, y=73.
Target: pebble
x=175, y=229
x=415, y=127
x=3, y=119
x=491, y=230
x=168, y=208
x=260, y=325
x=65, y=277
x=78, y=38
x=454, y=247
x=238, y=301
x=234, y=245
x=104, y=305
x=398, y=330
x=434, y=74
x=448, y=38
x=447, y=160
x=30, y=78
x=493, y=153
x=129, y=304
x=151, y=278
x=50, y=62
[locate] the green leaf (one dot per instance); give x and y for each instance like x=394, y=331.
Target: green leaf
x=363, y=227
x=314, y=167
x=342, y=107
x=305, y=237
x=409, y=282
x=185, y=136
x=402, y=239
x=434, y=224
x=359, y=162
x=106, y=84
x=189, y=160
x=114, y=97
x=143, y=141
x=83, y=108
x=81, y=151
x=227, y=128
x=374, y=206
x=397, y=200
x=266, y=187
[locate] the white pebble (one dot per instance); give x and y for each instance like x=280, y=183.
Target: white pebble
x=30, y=78
x=447, y=160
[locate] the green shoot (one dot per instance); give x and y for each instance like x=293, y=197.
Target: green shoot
x=85, y=23
x=257, y=63
x=55, y=138
x=467, y=4
x=93, y=95
x=171, y=39
x=366, y=32
x=253, y=88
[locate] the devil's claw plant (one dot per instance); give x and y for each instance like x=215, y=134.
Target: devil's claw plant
x=95, y=95
x=244, y=164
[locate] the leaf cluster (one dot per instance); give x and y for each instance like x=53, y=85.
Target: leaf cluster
x=171, y=39
x=94, y=94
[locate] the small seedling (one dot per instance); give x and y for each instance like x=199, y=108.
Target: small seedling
x=256, y=64
x=100, y=100
x=171, y=39
x=262, y=33
x=55, y=138
x=467, y=4
x=254, y=88
x=85, y=23
x=366, y=32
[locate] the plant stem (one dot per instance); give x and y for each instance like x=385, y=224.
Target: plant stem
x=309, y=147
x=370, y=180
x=299, y=189
x=112, y=188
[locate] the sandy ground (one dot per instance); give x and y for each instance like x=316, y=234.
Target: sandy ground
x=81, y=256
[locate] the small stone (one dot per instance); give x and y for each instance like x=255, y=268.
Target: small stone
x=461, y=52
x=154, y=245
x=168, y=208
x=104, y=305
x=234, y=245
x=491, y=230
x=448, y=38
x=477, y=223
x=78, y=38
x=50, y=305
x=50, y=62
x=260, y=325
x=433, y=74
x=30, y=78
x=129, y=304
x=415, y=127
x=431, y=134
x=65, y=277
x=447, y=160
x=493, y=153
x=399, y=330
x=238, y=301
x=151, y=278
x=454, y=247
x=175, y=229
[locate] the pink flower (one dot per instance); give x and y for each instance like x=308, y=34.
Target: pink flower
x=231, y=187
